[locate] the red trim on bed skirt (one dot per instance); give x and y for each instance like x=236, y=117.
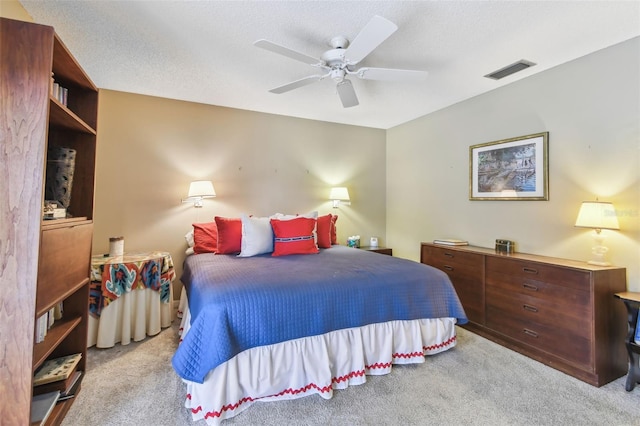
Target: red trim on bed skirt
x=441, y=345
x=322, y=389
x=290, y=391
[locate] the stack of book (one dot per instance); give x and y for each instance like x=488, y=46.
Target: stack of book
x=451, y=242
x=45, y=322
x=60, y=93
x=58, y=375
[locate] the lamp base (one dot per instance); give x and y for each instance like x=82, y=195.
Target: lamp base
x=599, y=251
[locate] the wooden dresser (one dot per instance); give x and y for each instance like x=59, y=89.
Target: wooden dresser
x=560, y=312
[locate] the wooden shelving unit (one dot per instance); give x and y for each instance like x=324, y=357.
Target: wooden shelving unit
x=31, y=55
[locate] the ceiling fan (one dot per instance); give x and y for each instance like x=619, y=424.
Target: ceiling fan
x=341, y=61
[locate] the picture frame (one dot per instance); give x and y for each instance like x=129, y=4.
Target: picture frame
x=515, y=169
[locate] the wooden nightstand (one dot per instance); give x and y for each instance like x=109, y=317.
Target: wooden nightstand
x=632, y=302
x=381, y=250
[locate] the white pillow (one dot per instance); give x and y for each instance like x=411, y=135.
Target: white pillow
x=257, y=236
x=189, y=237
x=280, y=216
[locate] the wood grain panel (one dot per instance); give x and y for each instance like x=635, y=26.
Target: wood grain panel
x=24, y=97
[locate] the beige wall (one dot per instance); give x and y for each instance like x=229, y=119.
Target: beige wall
x=149, y=149
x=591, y=109
x=14, y=10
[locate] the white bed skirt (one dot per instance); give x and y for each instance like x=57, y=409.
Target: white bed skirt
x=313, y=365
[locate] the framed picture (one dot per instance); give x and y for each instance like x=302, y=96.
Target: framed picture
x=513, y=169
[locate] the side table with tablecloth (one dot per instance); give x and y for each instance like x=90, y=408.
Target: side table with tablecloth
x=130, y=297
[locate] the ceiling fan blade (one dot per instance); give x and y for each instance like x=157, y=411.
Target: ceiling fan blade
x=347, y=94
x=285, y=51
x=390, y=74
x=298, y=83
x=371, y=36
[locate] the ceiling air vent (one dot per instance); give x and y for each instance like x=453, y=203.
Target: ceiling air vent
x=510, y=69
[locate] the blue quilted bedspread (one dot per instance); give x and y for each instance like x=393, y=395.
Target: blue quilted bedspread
x=240, y=303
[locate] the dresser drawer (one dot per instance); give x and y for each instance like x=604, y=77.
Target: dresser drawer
x=566, y=297
x=438, y=256
x=552, y=314
x=465, y=270
x=559, y=342
x=524, y=270
x=65, y=260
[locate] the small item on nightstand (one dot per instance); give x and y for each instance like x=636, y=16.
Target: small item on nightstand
x=353, y=241
x=116, y=246
x=505, y=246
x=373, y=242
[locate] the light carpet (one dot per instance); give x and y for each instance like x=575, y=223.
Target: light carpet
x=476, y=383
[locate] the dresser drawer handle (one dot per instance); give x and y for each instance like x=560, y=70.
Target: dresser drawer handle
x=530, y=270
x=530, y=333
x=530, y=308
x=448, y=254
x=448, y=268
x=530, y=287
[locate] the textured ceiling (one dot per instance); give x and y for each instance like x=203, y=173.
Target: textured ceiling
x=202, y=51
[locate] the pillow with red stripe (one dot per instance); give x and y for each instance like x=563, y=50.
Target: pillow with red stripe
x=229, y=234
x=294, y=236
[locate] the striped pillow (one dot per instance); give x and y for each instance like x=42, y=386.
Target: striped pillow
x=294, y=236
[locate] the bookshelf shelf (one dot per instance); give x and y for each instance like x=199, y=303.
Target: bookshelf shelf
x=55, y=335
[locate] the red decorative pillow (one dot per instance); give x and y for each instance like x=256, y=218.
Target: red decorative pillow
x=334, y=233
x=205, y=237
x=229, y=234
x=324, y=231
x=294, y=236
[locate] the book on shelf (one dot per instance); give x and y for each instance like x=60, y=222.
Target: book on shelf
x=71, y=390
x=56, y=369
x=451, y=242
x=64, y=386
x=42, y=325
x=42, y=406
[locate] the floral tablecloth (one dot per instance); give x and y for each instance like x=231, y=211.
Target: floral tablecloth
x=111, y=277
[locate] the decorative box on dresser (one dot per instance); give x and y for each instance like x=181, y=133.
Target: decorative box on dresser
x=557, y=311
x=50, y=258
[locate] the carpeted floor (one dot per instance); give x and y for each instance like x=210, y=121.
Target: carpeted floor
x=475, y=383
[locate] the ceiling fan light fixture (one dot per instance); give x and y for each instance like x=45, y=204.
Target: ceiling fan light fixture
x=337, y=75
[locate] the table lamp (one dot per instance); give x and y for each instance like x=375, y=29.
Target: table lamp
x=597, y=215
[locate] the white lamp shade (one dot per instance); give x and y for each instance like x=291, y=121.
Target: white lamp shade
x=339, y=193
x=597, y=215
x=202, y=189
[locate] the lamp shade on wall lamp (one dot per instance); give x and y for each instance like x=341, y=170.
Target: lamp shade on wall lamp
x=598, y=215
x=339, y=195
x=199, y=190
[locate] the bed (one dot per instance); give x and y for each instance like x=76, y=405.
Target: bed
x=266, y=328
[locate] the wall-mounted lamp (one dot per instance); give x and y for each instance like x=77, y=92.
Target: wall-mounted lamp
x=597, y=215
x=339, y=195
x=199, y=190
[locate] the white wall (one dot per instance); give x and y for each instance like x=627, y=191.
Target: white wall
x=591, y=109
